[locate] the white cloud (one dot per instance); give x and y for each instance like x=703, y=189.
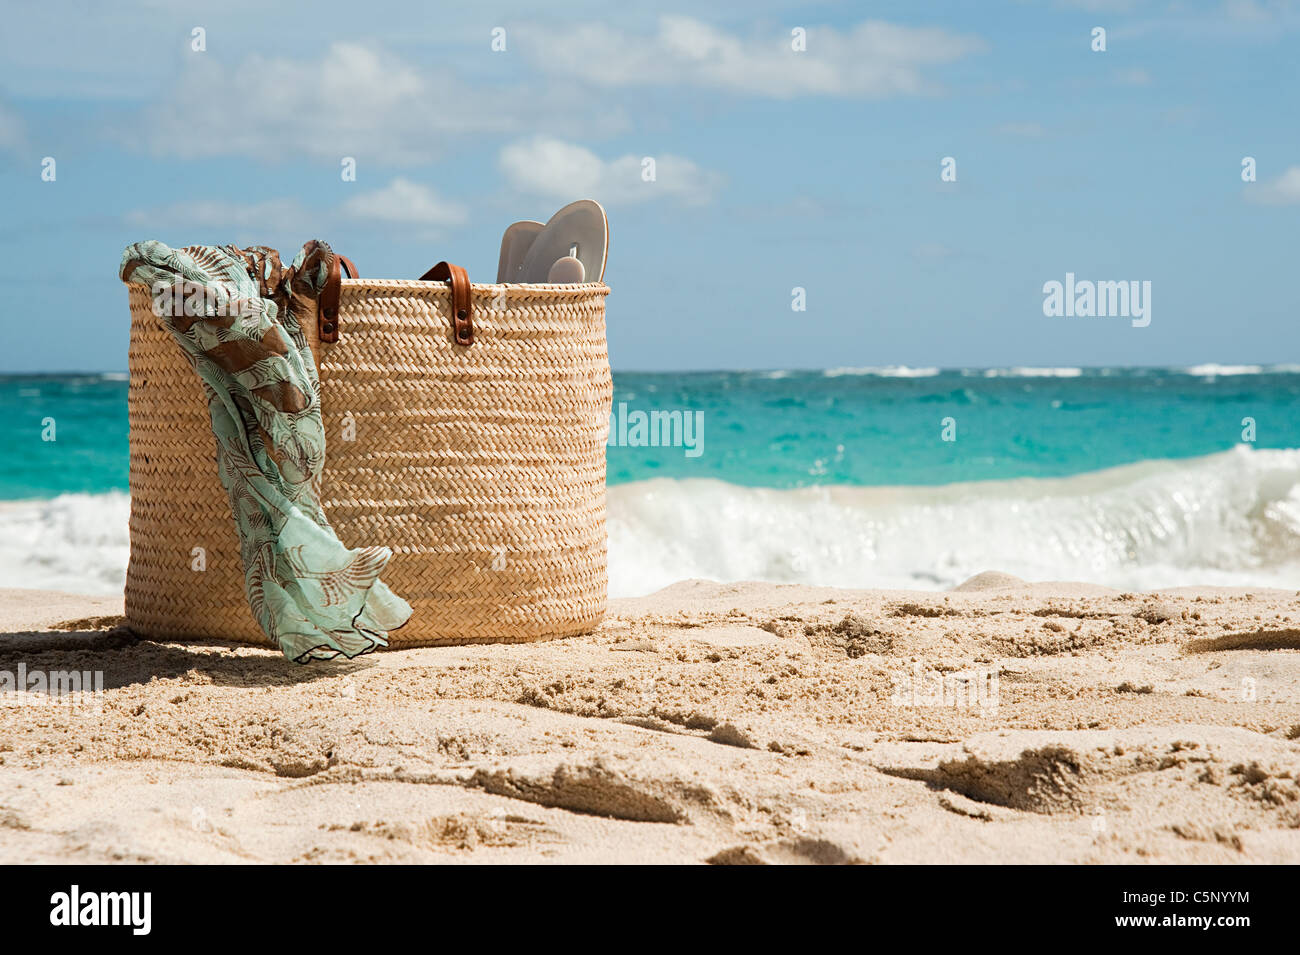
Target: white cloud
x=13, y=131
x=872, y=59
x=282, y=224
x=280, y=214
x=1025, y=130
x=354, y=101
x=1099, y=6
x=1259, y=11
x=1282, y=191
x=1133, y=77
x=403, y=202
x=933, y=251
x=553, y=169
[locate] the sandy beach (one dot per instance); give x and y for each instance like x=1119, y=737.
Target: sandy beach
x=749, y=723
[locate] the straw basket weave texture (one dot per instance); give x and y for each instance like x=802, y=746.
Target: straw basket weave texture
x=481, y=466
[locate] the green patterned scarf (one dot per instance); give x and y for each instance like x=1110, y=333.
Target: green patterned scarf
x=238, y=315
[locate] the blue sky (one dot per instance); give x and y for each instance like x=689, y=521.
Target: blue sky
x=775, y=168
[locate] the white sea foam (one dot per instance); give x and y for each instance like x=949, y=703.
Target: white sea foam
x=1032, y=372
x=74, y=542
x=1212, y=370
x=886, y=371
x=1228, y=519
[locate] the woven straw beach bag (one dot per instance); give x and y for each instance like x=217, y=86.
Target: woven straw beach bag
x=465, y=428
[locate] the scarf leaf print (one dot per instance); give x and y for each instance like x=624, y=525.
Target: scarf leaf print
x=237, y=314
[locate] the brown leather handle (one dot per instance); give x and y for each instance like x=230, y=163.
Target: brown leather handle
x=461, y=311
x=327, y=306
x=327, y=312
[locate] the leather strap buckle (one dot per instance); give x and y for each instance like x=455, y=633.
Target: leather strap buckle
x=457, y=280
x=327, y=309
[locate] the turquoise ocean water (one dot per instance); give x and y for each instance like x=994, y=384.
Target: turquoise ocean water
x=851, y=477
